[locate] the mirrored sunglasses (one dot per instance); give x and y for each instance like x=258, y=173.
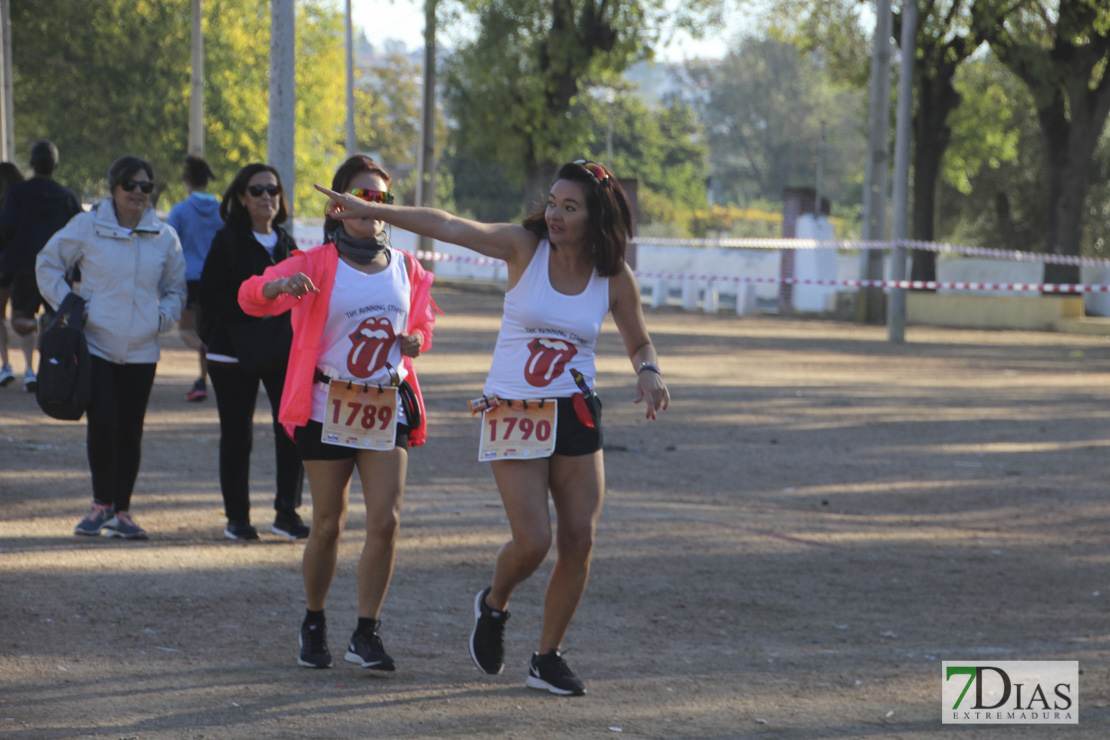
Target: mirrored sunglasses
x=372, y=196
x=258, y=190
x=145, y=186
x=597, y=171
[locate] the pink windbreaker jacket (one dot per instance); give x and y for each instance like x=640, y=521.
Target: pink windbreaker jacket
x=309, y=315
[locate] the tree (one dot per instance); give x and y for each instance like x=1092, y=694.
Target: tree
x=946, y=37
x=111, y=77
x=989, y=193
x=944, y=41
x=80, y=79
x=993, y=182
x=513, y=90
x=764, y=107
x=387, y=122
x=663, y=147
x=1061, y=51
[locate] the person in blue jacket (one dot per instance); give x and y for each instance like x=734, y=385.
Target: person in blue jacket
x=196, y=221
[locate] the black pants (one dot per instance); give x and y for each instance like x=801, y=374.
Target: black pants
x=115, y=428
x=236, y=394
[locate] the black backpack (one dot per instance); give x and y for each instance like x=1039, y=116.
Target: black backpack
x=65, y=369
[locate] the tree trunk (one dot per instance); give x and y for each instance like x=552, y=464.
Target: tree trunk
x=1071, y=110
x=937, y=98
x=1068, y=146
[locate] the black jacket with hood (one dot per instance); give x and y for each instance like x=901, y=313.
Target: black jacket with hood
x=235, y=256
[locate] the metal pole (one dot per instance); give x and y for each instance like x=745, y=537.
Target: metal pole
x=820, y=163
x=425, y=183
x=196, y=87
x=7, y=117
x=352, y=142
x=896, y=317
x=280, y=133
x=874, y=203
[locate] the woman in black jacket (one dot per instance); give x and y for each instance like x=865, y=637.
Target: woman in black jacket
x=243, y=350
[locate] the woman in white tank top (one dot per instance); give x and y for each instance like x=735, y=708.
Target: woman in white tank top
x=566, y=271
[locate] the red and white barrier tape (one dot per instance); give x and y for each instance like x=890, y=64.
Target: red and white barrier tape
x=1013, y=254
x=904, y=284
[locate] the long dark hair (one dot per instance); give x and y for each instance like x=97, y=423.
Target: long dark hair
x=610, y=216
x=9, y=175
x=232, y=211
x=348, y=171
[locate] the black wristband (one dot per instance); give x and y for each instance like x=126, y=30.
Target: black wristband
x=649, y=366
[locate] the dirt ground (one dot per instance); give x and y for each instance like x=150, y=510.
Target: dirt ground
x=818, y=521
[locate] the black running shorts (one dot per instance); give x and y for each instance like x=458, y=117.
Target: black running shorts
x=572, y=437
x=311, y=448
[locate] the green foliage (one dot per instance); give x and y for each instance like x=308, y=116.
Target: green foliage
x=387, y=123
x=387, y=112
x=835, y=29
x=662, y=148
x=1005, y=206
x=485, y=191
x=995, y=201
x=101, y=80
x=985, y=133
x=513, y=91
x=764, y=108
x=1061, y=51
x=111, y=77
x=321, y=109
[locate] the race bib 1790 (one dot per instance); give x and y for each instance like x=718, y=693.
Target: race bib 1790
x=518, y=430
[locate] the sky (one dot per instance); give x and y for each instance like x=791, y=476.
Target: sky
x=404, y=20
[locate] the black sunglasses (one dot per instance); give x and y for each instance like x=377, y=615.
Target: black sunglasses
x=258, y=190
x=146, y=186
x=597, y=172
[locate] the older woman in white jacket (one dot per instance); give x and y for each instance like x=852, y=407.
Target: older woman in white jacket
x=132, y=278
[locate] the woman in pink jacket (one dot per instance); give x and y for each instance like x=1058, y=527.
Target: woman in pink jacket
x=361, y=311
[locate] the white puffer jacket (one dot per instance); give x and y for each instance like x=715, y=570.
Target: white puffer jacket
x=132, y=281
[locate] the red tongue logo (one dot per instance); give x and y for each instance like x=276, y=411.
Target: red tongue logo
x=549, y=357
x=371, y=343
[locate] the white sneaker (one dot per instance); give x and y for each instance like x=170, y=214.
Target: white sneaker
x=6, y=375
x=30, y=382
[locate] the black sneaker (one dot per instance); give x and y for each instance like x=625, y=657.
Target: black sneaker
x=289, y=524
x=549, y=672
x=366, y=649
x=314, y=646
x=487, y=641
x=240, y=531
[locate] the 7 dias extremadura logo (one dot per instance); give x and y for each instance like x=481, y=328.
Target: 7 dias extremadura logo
x=1016, y=692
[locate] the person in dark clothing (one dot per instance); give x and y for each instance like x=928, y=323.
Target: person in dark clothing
x=196, y=220
x=240, y=348
x=9, y=175
x=33, y=211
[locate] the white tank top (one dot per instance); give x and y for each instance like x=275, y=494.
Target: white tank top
x=544, y=334
x=365, y=315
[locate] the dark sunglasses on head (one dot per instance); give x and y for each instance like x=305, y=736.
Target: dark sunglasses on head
x=372, y=196
x=146, y=186
x=599, y=173
x=258, y=190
